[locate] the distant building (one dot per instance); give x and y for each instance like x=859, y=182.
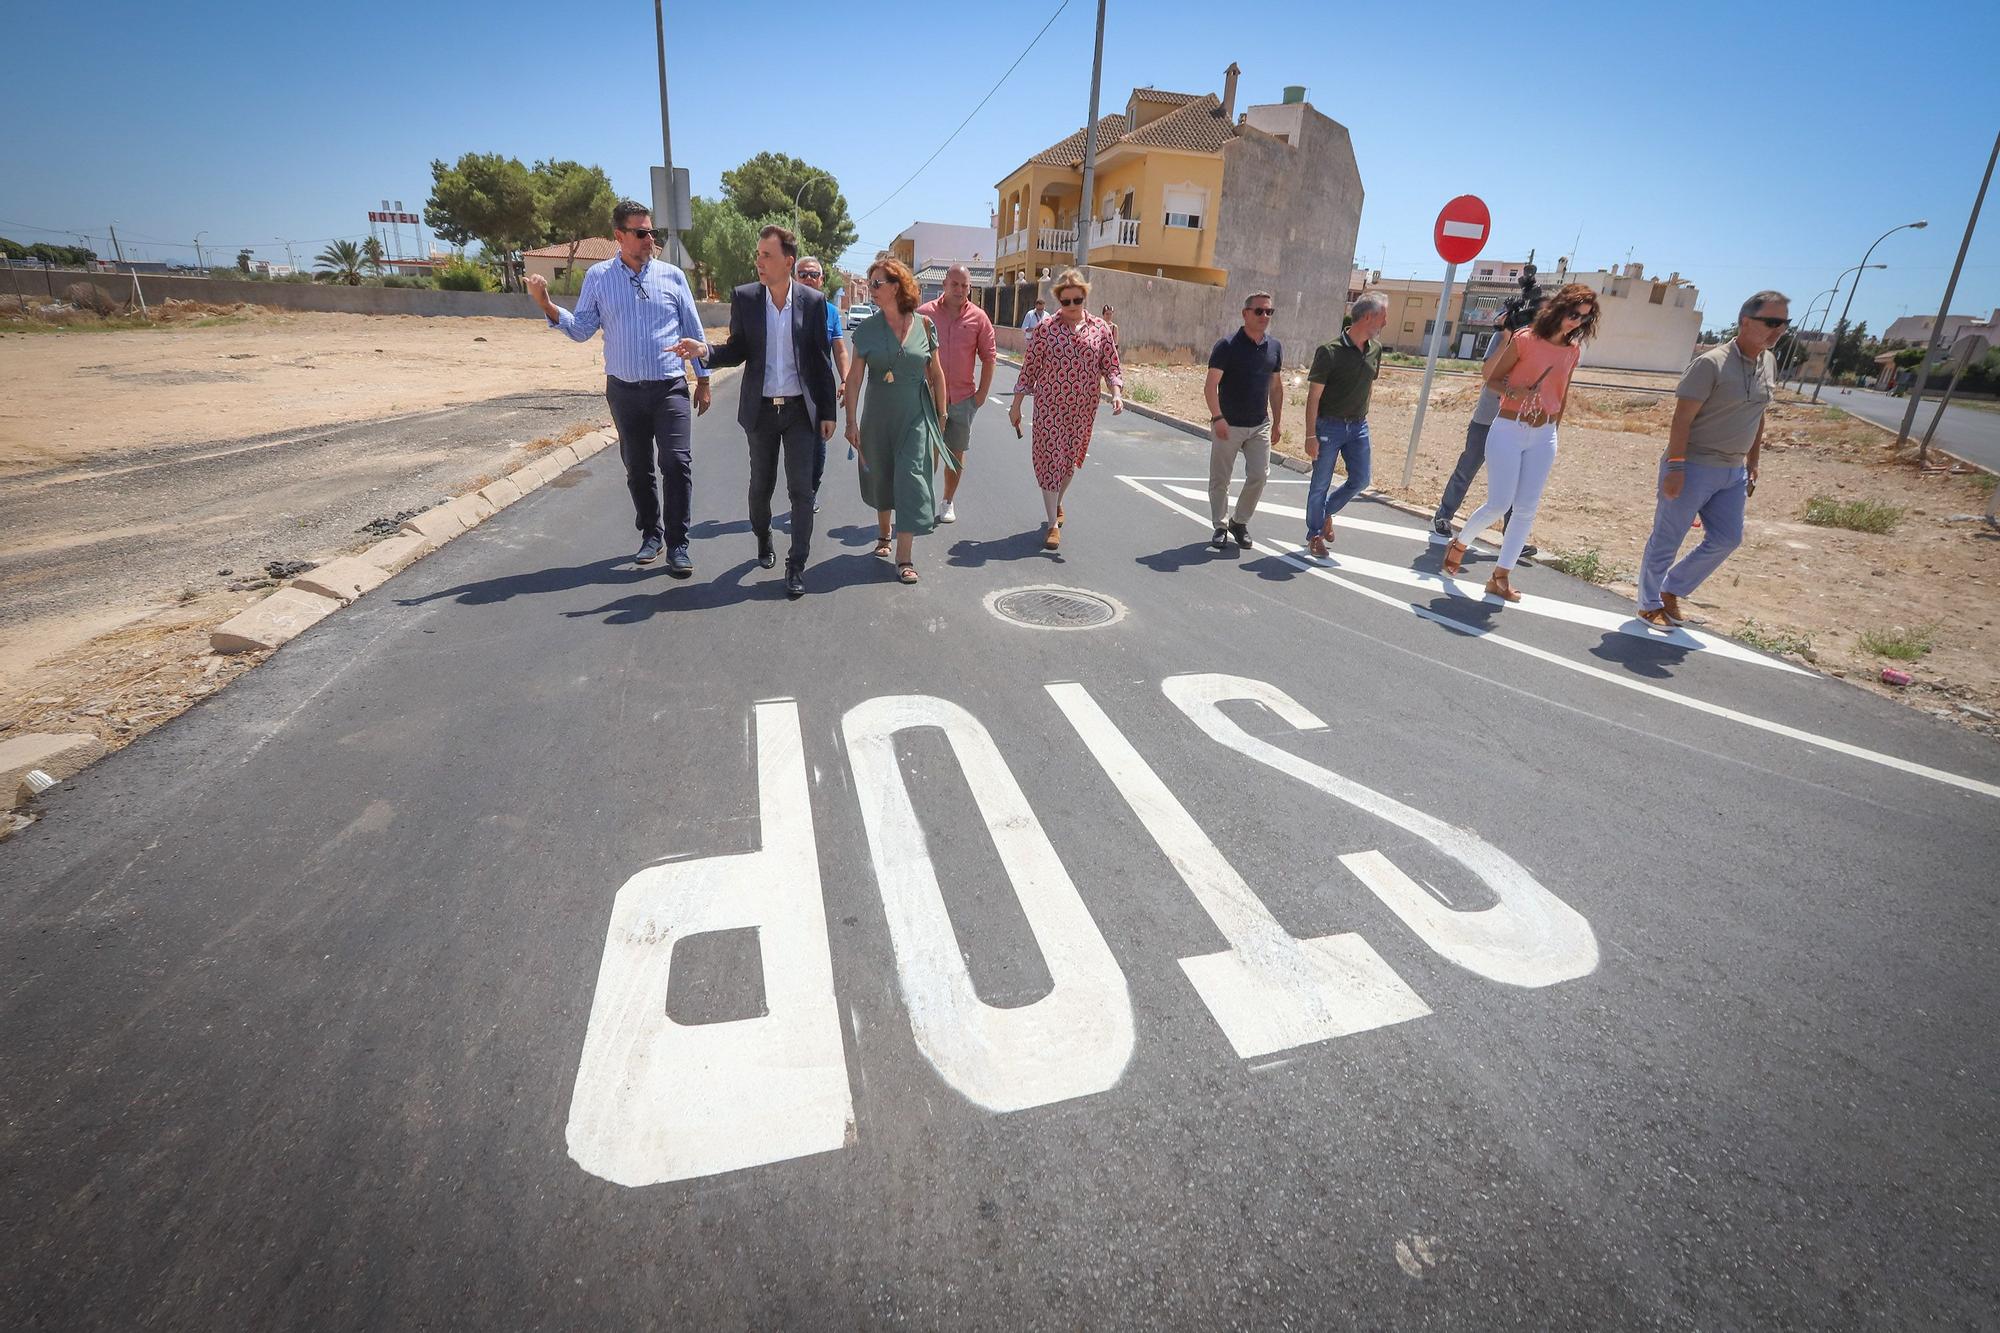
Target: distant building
x=553, y=261
x=923, y=245
x=1190, y=193
x=1916, y=329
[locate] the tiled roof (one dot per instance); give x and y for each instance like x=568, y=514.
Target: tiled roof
x=1069, y=152
x=1197, y=126
x=1162, y=95
x=592, y=248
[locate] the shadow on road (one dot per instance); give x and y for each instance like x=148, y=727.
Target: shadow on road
x=745, y=582
x=611, y=569
x=969, y=554
x=1651, y=658
x=1194, y=553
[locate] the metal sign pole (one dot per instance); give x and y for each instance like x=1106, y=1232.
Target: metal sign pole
x=1430, y=369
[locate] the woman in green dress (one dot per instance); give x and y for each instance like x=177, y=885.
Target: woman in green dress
x=896, y=352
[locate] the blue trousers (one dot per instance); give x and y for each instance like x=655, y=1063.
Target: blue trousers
x=1717, y=494
x=1342, y=438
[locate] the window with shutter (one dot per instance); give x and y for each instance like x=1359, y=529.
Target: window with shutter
x=1184, y=207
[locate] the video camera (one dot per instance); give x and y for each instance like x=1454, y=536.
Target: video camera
x=1519, y=311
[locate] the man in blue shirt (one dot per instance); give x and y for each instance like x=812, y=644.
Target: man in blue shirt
x=652, y=332
x=813, y=274
x=1246, y=405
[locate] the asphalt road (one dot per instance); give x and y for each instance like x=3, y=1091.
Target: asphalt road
x=1971, y=433
x=1301, y=949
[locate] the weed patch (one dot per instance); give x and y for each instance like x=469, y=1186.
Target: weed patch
x=1904, y=645
x=1824, y=511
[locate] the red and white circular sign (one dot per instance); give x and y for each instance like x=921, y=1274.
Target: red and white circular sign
x=1462, y=228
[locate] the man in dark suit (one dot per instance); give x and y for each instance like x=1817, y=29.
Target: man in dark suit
x=778, y=334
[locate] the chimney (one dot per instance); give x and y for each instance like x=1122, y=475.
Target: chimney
x=1229, y=90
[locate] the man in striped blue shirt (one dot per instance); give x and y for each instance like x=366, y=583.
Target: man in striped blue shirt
x=652, y=333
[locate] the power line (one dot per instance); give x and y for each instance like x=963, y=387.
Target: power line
x=969, y=115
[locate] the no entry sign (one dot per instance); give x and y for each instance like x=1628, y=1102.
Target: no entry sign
x=1462, y=227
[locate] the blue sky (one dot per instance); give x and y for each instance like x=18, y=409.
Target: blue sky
x=1742, y=145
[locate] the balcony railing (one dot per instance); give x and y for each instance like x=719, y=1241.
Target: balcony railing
x=1057, y=240
x=1014, y=242
x=1114, y=232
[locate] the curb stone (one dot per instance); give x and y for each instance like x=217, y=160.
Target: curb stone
x=60, y=755
x=277, y=620
x=344, y=579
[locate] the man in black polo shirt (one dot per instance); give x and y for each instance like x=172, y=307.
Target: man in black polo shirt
x=1246, y=408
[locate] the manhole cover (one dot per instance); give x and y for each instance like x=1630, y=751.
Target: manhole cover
x=1054, y=608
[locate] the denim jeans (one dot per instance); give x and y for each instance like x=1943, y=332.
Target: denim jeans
x=1716, y=493
x=1470, y=460
x=1343, y=438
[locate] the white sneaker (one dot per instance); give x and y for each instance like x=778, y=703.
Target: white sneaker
x=947, y=514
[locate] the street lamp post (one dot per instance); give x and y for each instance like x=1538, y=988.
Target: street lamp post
x=1829, y=294
x=1915, y=226
x=1944, y=309
x=800, y=193
x=1802, y=328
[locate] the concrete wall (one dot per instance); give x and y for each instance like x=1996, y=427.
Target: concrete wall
x=318, y=296
x=1289, y=217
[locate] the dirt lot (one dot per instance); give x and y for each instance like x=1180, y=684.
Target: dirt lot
x=1814, y=590
x=148, y=475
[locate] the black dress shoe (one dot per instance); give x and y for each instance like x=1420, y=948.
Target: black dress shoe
x=678, y=563
x=1241, y=532
x=767, y=556
x=795, y=581
x=1220, y=539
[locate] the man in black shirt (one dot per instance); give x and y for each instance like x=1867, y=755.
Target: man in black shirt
x=1246, y=407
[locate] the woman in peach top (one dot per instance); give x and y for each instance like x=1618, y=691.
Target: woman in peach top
x=1532, y=378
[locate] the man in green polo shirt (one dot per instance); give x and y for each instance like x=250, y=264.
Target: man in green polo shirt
x=1342, y=376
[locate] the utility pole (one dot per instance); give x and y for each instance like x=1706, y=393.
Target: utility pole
x=197, y=252
x=116, y=249
x=1087, y=209
x=1944, y=311
x=666, y=143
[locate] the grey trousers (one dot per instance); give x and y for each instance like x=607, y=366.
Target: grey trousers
x=791, y=430
x=1253, y=443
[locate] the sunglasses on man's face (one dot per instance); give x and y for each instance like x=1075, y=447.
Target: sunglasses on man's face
x=643, y=233
x=810, y=274
x=1074, y=300
x=1771, y=323
x=1261, y=310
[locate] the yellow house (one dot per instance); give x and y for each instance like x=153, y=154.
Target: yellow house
x=1158, y=187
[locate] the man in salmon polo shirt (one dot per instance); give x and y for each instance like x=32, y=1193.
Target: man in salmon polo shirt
x=965, y=340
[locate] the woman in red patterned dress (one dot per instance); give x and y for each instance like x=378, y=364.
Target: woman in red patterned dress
x=1066, y=358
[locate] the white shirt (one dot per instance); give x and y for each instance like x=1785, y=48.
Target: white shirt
x=1033, y=318
x=781, y=358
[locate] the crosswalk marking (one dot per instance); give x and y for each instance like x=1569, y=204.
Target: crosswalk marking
x=1534, y=604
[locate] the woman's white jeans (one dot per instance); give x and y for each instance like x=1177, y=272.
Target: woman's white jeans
x=1518, y=462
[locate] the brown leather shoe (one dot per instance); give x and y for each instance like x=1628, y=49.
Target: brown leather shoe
x=1318, y=548
x=1670, y=605
x=1454, y=556
x=1053, y=541
x=1497, y=584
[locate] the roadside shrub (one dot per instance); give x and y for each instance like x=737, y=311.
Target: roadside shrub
x=1904, y=645
x=1142, y=393
x=462, y=275
x=1823, y=511
x=1775, y=640
x=405, y=280
x=1587, y=565
x=89, y=296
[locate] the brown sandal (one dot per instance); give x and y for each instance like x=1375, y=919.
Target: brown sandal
x=1498, y=586
x=906, y=572
x=881, y=548
x=1053, y=542
x=1454, y=556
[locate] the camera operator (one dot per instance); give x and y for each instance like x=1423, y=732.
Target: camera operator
x=1518, y=313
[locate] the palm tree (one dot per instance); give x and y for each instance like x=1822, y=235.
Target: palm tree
x=371, y=254
x=340, y=262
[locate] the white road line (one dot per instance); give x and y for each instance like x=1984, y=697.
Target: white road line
x=1534, y=604
x=1074, y=1041
x=1268, y=991
x=658, y=1100
x=1636, y=686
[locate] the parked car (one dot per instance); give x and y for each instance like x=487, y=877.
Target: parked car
x=857, y=312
